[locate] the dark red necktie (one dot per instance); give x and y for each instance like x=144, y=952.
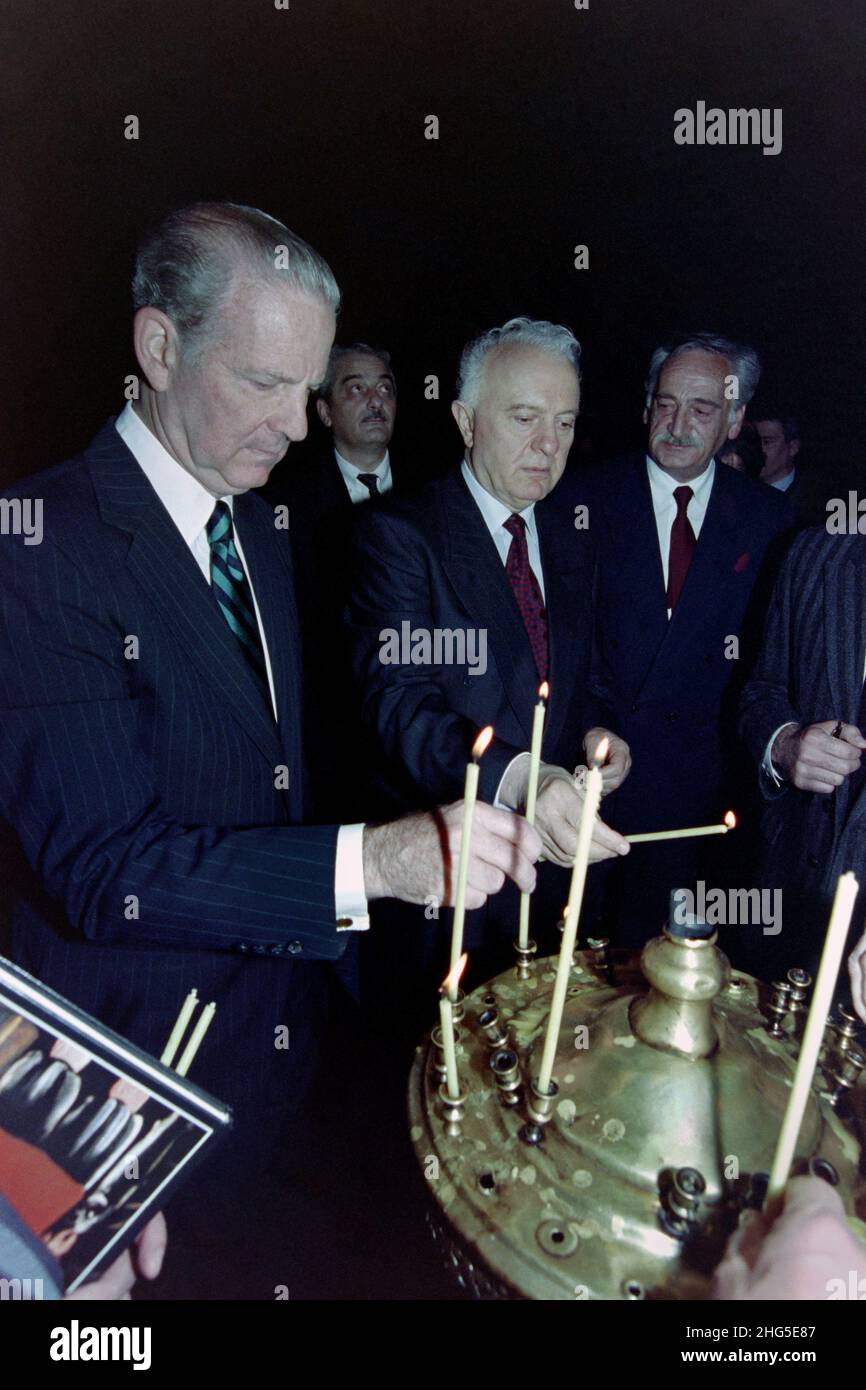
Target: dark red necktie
x=682, y=546
x=527, y=591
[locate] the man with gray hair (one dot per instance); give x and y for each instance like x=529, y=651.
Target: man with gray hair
x=470, y=595
x=150, y=740
x=682, y=543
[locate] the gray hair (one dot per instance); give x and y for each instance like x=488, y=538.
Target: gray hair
x=519, y=332
x=743, y=361
x=352, y=350
x=184, y=265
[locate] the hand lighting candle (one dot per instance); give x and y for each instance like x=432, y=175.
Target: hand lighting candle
x=470, y=795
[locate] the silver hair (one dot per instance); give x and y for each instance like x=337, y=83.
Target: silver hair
x=352, y=350
x=184, y=265
x=743, y=361
x=519, y=332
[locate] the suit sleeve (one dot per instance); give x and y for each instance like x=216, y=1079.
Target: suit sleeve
x=766, y=701
x=407, y=705
x=77, y=788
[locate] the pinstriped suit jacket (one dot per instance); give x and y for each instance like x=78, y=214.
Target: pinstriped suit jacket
x=142, y=778
x=811, y=669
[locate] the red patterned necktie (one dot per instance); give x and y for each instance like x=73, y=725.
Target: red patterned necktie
x=527, y=592
x=682, y=546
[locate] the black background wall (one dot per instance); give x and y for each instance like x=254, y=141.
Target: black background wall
x=556, y=128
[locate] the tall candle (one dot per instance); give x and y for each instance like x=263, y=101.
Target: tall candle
x=446, y=1024
x=532, y=796
x=470, y=795
x=722, y=828
x=847, y=889
x=591, y=802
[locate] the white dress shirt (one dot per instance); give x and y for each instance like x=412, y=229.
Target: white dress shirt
x=495, y=514
x=359, y=492
x=190, y=505
x=662, y=487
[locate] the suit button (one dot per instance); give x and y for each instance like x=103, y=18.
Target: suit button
x=295, y=948
x=242, y=946
x=672, y=716
x=634, y=709
x=813, y=861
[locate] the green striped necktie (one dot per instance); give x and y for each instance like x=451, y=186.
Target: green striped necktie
x=234, y=595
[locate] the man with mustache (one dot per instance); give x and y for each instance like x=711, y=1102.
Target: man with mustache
x=336, y=480
x=683, y=544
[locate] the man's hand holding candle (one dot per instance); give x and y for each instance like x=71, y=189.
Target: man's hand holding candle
x=557, y=819
x=616, y=765
x=416, y=857
x=814, y=758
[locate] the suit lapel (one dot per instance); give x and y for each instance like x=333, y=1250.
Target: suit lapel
x=161, y=563
x=477, y=573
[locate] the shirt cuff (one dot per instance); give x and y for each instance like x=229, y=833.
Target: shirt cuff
x=350, y=898
x=767, y=762
x=513, y=778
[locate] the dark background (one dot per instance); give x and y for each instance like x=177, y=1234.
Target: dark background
x=556, y=128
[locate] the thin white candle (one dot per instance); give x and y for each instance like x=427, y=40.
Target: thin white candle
x=446, y=1024
x=531, y=797
x=591, y=802
x=847, y=889
x=177, y=1032
x=470, y=795
x=727, y=824
x=195, y=1041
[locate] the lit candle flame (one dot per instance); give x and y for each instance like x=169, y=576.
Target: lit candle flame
x=452, y=979
x=601, y=753
x=544, y=691
x=730, y=820
x=482, y=742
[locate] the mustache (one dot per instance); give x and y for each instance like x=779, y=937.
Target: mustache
x=684, y=440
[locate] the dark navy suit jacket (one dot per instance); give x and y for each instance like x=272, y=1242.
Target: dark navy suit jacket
x=810, y=669
x=431, y=561
x=671, y=686
x=146, y=783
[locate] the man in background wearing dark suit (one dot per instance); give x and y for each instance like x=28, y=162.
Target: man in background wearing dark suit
x=784, y=469
x=682, y=543
x=481, y=564
x=325, y=493
x=150, y=734
x=803, y=716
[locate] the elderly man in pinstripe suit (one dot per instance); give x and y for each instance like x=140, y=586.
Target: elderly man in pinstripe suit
x=803, y=713
x=150, y=739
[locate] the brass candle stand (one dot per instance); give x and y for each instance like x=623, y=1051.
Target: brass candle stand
x=671, y=1078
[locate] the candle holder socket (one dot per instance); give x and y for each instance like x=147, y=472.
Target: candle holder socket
x=493, y=1027
x=453, y=1110
x=539, y=1108
x=524, y=956
x=778, y=1007
x=505, y=1066
x=440, y=1073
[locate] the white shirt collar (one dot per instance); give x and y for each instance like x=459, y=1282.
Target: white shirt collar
x=381, y=470
x=187, y=501
x=494, y=512
x=663, y=484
